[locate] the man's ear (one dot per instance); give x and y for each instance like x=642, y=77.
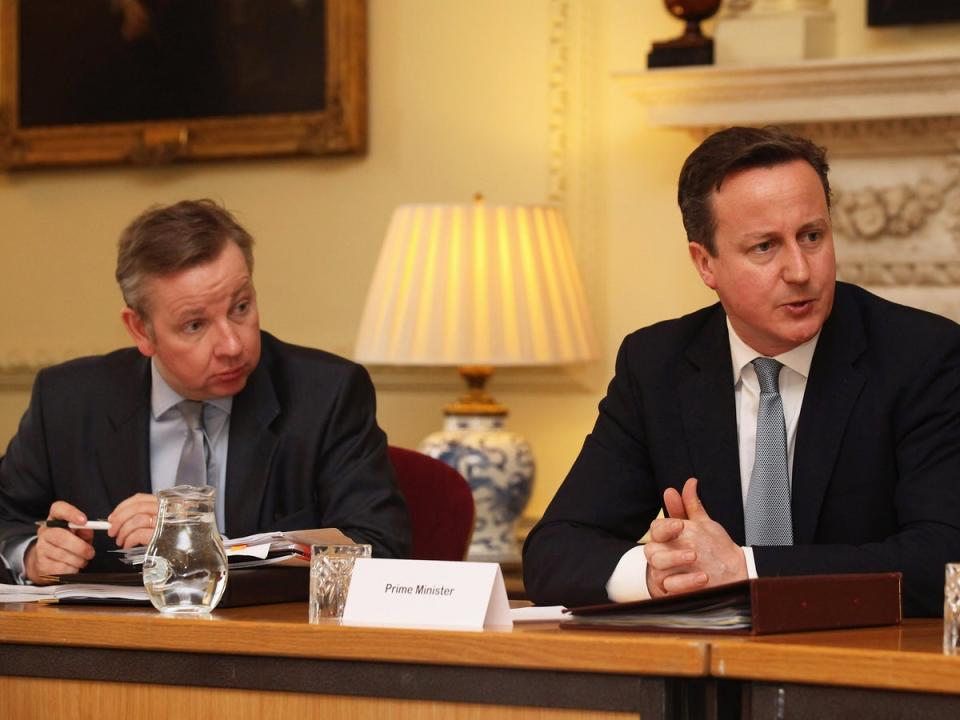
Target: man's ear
x=137, y=327
x=703, y=262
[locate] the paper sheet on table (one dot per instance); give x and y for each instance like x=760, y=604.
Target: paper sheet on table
x=539, y=613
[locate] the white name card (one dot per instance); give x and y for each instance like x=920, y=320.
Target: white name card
x=427, y=594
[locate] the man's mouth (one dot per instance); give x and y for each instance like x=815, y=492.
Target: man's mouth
x=234, y=374
x=798, y=305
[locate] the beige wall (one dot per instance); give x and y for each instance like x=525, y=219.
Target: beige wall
x=460, y=102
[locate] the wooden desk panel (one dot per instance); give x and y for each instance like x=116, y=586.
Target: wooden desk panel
x=137, y=658
x=906, y=657
x=38, y=699
x=879, y=673
x=283, y=631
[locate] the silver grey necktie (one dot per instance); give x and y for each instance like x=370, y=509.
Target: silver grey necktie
x=192, y=469
x=767, y=518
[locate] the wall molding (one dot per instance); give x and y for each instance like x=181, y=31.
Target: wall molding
x=18, y=378
x=872, y=87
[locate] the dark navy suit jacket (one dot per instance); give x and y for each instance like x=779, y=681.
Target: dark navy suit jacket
x=876, y=472
x=305, y=449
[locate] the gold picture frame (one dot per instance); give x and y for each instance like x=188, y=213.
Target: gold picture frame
x=337, y=125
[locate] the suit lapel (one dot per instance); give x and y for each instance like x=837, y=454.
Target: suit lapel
x=832, y=389
x=250, y=451
x=124, y=456
x=708, y=412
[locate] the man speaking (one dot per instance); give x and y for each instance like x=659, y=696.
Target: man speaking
x=799, y=426
x=287, y=435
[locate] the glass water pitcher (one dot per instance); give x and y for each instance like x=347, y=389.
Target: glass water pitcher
x=185, y=567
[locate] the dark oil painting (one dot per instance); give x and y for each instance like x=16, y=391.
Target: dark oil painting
x=119, y=61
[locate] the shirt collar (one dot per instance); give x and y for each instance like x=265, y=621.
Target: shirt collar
x=163, y=397
x=798, y=359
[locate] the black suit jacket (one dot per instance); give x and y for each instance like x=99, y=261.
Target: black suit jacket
x=876, y=471
x=305, y=449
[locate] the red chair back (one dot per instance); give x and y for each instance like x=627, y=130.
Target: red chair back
x=440, y=504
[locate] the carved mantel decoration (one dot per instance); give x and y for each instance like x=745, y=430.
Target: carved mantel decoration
x=892, y=128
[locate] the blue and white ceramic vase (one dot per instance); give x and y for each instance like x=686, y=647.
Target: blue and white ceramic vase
x=499, y=466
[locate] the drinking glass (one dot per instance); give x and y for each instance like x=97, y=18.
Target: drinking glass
x=330, y=569
x=951, y=610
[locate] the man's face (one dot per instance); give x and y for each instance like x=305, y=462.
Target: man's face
x=202, y=328
x=774, y=270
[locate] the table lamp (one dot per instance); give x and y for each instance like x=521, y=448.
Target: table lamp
x=478, y=286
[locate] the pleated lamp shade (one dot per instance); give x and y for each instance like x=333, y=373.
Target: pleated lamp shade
x=476, y=285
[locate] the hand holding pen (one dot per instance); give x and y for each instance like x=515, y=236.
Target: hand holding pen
x=59, y=548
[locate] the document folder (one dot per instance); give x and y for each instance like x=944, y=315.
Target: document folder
x=758, y=607
x=252, y=586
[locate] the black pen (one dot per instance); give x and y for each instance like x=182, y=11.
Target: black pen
x=89, y=525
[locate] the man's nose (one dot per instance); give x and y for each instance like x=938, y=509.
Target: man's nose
x=796, y=267
x=228, y=342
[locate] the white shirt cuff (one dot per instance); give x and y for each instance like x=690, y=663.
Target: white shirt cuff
x=751, y=563
x=629, y=579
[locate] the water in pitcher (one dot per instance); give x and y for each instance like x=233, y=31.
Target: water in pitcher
x=185, y=568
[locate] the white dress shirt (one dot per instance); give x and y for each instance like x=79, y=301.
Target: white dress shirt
x=629, y=579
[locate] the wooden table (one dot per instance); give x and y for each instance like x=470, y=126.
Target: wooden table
x=268, y=661
x=876, y=673
x=259, y=662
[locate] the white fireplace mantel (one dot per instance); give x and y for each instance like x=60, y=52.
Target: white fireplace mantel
x=848, y=89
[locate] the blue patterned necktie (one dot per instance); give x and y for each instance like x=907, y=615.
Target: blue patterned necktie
x=192, y=469
x=767, y=517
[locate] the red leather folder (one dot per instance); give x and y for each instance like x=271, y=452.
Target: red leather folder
x=757, y=607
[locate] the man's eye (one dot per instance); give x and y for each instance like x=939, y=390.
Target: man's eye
x=241, y=307
x=193, y=326
x=813, y=236
x=763, y=247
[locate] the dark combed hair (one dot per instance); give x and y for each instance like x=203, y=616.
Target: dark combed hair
x=166, y=239
x=731, y=150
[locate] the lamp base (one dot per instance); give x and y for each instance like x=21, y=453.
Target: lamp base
x=498, y=465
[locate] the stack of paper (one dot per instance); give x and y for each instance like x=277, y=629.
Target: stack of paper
x=71, y=591
x=287, y=549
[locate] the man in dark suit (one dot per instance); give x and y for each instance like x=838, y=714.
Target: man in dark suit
x=849, y=462
x=289, y=434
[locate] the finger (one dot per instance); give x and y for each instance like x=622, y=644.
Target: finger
x=133, y=504
x=691, y=501
x=59, y=544
x=137, y=537
x=684, y=582
x=664, y=560
x=139, y=504
x=666, y=530
x=60, y=566
x=51, y=559
x=38, y=563
x=138, y=524
x=45, y=570
x=673, y=504
x=61, y=510
x=656, y=578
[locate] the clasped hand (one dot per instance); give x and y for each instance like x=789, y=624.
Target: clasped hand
x=59, y=551
x=687, y=550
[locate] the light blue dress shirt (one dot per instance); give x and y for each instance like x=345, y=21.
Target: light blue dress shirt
x=168, y=432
